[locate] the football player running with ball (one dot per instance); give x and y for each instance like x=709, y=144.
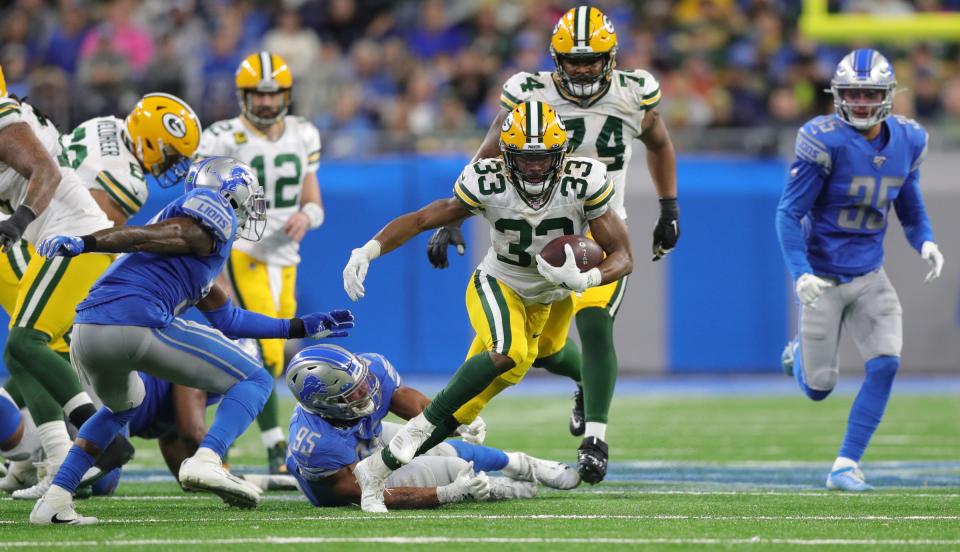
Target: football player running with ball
x=344, y=398
x=518, y=304
x=130, y=322
x=284, y=150
x=603, y=109
x=849, y=168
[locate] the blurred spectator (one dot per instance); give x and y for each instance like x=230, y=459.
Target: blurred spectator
x=165, y=73
x=295, y=44
x=13, y=59
x=126, y=38
x=432, y=35
x=104, y=79
x=68, y=35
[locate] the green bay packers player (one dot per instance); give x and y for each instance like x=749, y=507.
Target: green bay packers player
x=285, y=152
x=518, y=304
x=604, y=109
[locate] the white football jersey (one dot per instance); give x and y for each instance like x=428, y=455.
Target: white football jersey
x=72, y=210
x=603, y=130
x=280, y=165
x=518, y=232
x=98, y=152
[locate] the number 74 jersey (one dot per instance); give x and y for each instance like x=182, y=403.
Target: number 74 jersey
x=604, y=129
x=519, y=232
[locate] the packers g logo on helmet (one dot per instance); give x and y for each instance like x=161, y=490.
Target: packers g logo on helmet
x=584, y=33
x=164, y=133
x=533, y=141
x=263, y=73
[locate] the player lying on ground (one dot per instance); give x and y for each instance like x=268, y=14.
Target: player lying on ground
x=519, y=307
x=344, y=398
x=604, y=109
x=129, y=322
x=850, y=167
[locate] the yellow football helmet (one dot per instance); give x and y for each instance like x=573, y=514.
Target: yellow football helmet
x=533, y=141
x=3, y=84
x=584, y=33
x=164, y=132
x=265, y=73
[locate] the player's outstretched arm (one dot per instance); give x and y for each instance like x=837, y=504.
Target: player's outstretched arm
x=662, y=164
x=467, y=485
x=450, y=234
x=173, y=236
x=237, y=323
x=22, y=150
x=611, y=233
x=397, y=232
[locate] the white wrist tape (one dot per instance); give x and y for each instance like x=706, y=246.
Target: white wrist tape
x=371, y=249
x=593, y=277
x=314, y=213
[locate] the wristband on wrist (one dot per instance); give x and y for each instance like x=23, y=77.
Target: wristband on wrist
x=371, y=249
x=22, y=217
x=669, y=207
x=314, y=213
x=297, y=330
x=594, y=277
x=89, y=243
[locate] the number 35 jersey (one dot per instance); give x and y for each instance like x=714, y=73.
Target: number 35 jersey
x=518, y=232
x=280, y=166
x=842, y=187
x=603, y=130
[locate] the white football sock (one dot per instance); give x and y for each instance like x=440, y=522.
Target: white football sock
x=271, y=437
x=596, y=429
x=55, y=441
x=843, y=462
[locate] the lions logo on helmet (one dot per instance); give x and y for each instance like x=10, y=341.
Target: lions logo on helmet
x=584, y=33
x=165, y=133
x=332, y=382
x=533, y=141
x=237, y=185
x=864, y=70
x=263, y=73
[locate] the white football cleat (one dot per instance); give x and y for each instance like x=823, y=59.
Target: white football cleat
x=20, y=475
x=56, y=508
x=555, y=475
x=848, y=478
x=504, y=488
x=204, y=471
x=45, y=474
x=410, y=438
x=371, y=474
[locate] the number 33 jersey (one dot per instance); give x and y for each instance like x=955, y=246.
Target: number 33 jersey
x=602, y=130
x=280, y=166
x=845, y=185
x=518, y=232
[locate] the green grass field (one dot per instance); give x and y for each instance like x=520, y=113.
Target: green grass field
x=689, y=472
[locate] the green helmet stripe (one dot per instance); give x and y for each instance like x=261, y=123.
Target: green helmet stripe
x=266, y=66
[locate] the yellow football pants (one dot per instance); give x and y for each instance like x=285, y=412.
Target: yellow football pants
x=268, y=290
x=505, y=325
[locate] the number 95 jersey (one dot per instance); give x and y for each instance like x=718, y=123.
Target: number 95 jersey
x=281, y=165
x=518, y=232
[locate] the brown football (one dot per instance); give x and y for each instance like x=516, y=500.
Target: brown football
x=587, y=252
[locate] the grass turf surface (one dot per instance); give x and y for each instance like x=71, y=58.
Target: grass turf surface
x=689, y=471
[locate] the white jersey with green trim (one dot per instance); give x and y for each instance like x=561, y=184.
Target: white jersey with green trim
x=72, y=211
x=518, y=232
x=281, y=165
x=603, y=130
x=99, y=153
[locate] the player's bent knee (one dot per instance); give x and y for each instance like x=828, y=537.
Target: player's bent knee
x=503, y=363
x=23, y=342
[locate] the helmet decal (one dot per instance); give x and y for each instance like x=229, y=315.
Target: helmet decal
x=174, y=125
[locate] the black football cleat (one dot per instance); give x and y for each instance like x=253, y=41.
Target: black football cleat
x=592, y=460
x=577, y=423
x=118, y=452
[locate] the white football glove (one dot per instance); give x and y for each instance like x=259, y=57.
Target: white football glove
x=356, y=270
x=467, y=485
x=568, y=275
x=810, y=287
x=474, y=433
x=931, y=253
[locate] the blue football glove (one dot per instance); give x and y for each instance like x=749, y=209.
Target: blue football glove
x=60, y=246
x=318, y=325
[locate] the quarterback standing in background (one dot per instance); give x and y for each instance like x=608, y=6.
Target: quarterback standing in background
x=849, y=168
x=603, y=109
x=518, y=303
x=284, y=150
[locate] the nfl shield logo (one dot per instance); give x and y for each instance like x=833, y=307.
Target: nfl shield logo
x=878, y=161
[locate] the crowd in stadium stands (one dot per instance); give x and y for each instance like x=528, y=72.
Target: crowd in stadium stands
x=424, y=71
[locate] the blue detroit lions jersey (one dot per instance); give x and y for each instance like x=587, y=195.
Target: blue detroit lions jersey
x=149, y=290
x=832, y=216
x=318, y=448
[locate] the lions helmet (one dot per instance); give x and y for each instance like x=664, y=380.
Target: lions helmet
x=533, y=141
x=237, y=184
x=863, y=70
x=584, y=33
x=332, y=382
x=265, y=73
x=164, y=134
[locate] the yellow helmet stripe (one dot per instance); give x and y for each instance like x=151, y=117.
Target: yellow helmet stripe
x=266, y=66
